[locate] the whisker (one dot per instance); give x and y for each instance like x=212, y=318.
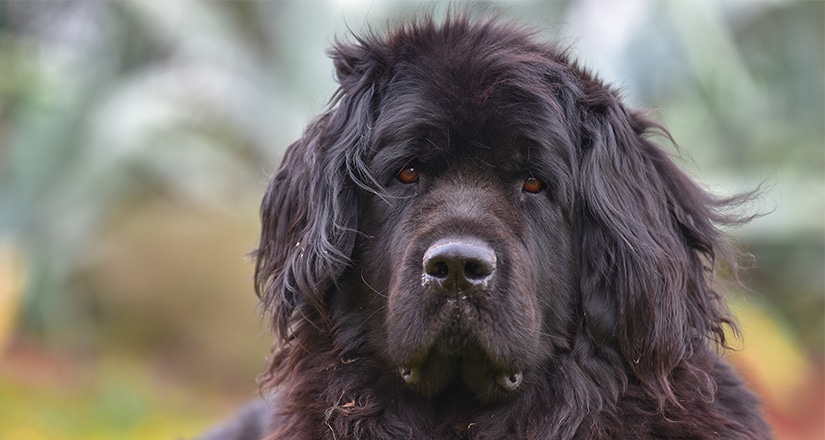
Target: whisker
x=374, y=290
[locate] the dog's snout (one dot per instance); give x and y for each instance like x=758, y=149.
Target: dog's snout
x=458, y=264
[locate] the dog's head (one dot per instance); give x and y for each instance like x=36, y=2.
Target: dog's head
x=473, y=206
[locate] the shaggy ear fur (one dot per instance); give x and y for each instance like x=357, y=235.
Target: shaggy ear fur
x=309, y=213
x=649, y=242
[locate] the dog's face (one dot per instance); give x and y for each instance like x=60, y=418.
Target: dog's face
x=467, y=247
x=473, y=208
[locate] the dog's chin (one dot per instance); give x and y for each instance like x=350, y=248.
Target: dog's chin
x=454, y=365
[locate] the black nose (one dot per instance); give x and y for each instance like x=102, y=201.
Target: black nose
x=458, y=264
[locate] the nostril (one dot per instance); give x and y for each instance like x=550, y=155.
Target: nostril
x=437, y=269
x=474, y=270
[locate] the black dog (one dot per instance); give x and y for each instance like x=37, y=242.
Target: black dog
x=478, y=240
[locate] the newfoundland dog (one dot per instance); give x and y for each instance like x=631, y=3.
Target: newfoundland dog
x=479, y=240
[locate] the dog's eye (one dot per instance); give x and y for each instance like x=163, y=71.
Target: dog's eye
x=408, y=174
x=533, y=185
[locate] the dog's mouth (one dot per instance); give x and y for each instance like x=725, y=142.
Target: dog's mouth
x=457, y=360
x=508, y=380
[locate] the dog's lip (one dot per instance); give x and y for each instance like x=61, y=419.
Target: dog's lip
x=410, y=374
x=465, y=354
x=508, y=379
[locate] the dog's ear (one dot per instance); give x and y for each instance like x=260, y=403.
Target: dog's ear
x=309, y=213
x=649, y=242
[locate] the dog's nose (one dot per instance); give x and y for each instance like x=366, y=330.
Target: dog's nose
x=458, y=264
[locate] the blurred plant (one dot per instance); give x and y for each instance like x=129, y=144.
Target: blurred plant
x=104, y=103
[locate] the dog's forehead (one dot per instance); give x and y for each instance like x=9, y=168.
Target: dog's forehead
x=485, y=93
x=449, y=107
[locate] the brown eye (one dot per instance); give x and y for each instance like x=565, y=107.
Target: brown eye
x=408, y=174
x=533, y=185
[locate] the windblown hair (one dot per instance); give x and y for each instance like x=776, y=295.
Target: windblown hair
x=603, y=278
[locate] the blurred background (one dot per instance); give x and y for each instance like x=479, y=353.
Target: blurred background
x=136, y=138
